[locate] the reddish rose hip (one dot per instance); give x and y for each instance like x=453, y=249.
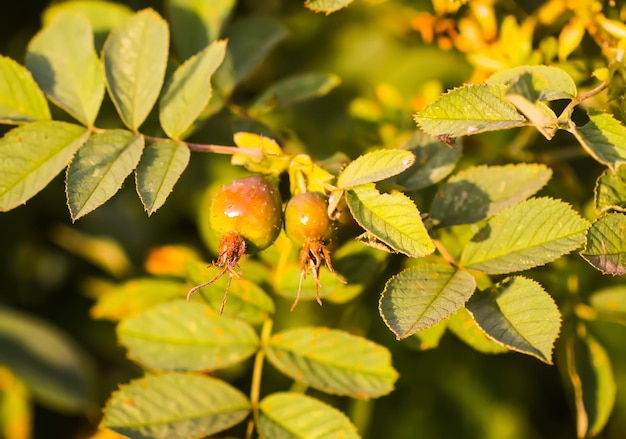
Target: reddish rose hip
x=246, y=213
x=307, y=224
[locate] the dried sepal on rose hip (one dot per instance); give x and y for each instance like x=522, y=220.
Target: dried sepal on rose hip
x=307, y=224
x=246, y=213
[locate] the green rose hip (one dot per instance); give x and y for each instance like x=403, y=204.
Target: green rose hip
x=246, y=213
x=307, y=224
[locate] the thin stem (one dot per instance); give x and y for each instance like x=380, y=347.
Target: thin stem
x=217, y=149
x=584, y=96
x=444, y=253
x=257, y=371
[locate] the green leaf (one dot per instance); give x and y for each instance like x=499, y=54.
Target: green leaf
x=32, y=155
x=590, y=375
x=64, y=63
x=293, y=90
x=520, y=315
x=434, y=160
x=250, y=40
x=161, y=165
x=333, y=361
x=186, y=336
x=246, y=300
x=548, y=83
x=480, y=192
x=135, y=57
x=188, y=91
x=605, y=248
x=392, y=218
x=48, y=362
x=21, y=100
x=134, y=296
x=537, y=113
x=196, y=23
x=610, y=191
x=470, y=109
x=294, y=415
x=422, y=296
x=103, y=15
x=462, y=325
x=375, y=166
x=610, y=303
x=326, y=6
x=99, y=169
x=174, y=405
x=531, y=233
x=604, y=138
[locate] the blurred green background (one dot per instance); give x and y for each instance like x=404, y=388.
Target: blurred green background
x=51, y=269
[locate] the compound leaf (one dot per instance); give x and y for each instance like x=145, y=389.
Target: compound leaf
x=64, y=63
x=135, y=57
x=520, y=315
x=422, y=296
x=174, y=405
x=333, y=361
x=375, y=166
x=161, y=165
x=21, y=100
x=483, y=191
x=531, y=233
x=186, y=336
x=605, y=248
x=99, y=169
x=32, y=155
x=294, y=415
x=469, y=110
x=189, y=89
x=392, y=218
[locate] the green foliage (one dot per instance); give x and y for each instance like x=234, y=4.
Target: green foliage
x=431, y=213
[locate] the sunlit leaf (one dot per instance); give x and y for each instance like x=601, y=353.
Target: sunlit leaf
x=64, y=63
x=47, y=361
x=103, y=15
x=518, y=313
x=462, y=325
x=483, y=191
x=188, y=91
x=135, y=57
x=548, y=83
x=537, y=113
x=99, y=169
x=174, y=405
x=375, y=166
x=326, y=6
x=469, y=110
x=291, y=415
x=186, y=336
x=422, y=296
x=392, y=218
x=295, y=89
x=434, y=160
x=610, y=191
x=265, y=157
x=531, y=233
x=32, y=155
x=196, y=23
x=136, y=295
x=162, y=163
x=21, y=100
x=605, y=248
x=246, y=300
x=333, y=361
x=604, y=138
x=428, y=338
